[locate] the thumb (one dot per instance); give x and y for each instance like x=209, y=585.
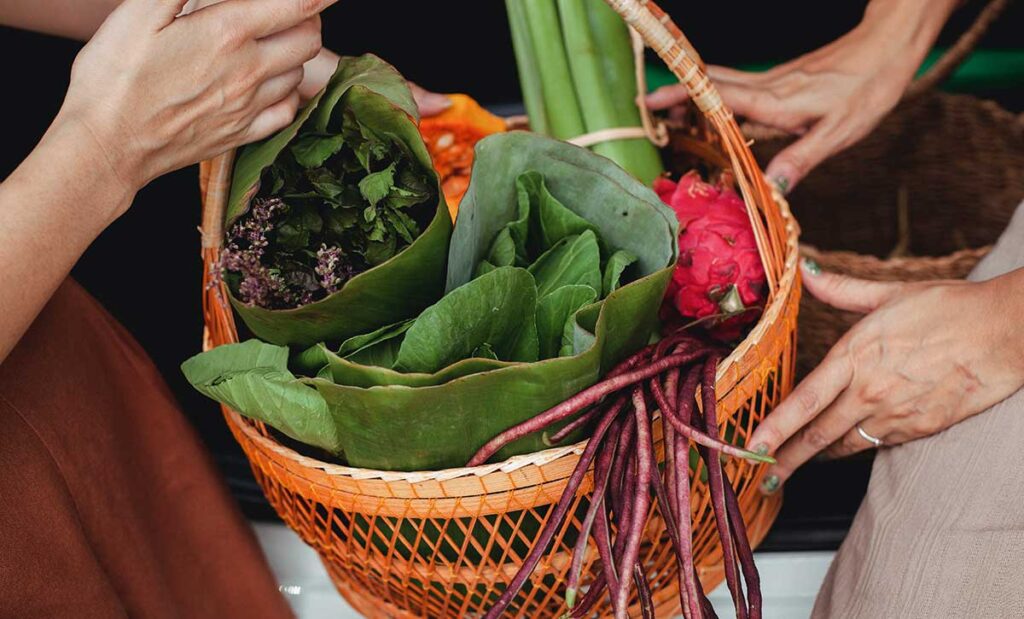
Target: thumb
x=791, y=165
x=847, y=293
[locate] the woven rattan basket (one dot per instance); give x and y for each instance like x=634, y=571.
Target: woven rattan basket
x=923, y=197
x=445, y=543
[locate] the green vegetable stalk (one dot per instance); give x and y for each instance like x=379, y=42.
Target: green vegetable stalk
x=526, y=61
x=560, y=101
x=577, y=73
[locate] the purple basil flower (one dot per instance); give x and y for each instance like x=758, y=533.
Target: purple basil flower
x=328, y=259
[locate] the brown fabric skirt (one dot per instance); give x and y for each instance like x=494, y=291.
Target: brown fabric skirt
x=109, y=506
x=941, y=530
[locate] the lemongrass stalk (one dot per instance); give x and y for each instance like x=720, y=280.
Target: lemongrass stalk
x=587, y=76
x=615, y=51
x=562, y=108
x=526, y=62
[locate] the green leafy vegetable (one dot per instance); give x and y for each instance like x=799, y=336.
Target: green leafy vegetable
x=253, y=379
x=496, y=311
x=554, y=313
x=336, y=225
x=573, y=260
x=414, y=421
x=616, y=267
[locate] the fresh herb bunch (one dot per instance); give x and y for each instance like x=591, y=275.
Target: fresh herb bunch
x=334, y=204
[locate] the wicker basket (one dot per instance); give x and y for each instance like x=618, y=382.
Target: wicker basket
x=445, y=543
x=923, y=197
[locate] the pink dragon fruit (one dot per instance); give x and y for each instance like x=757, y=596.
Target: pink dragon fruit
x=719, y=271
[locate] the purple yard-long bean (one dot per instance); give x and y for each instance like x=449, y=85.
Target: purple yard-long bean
x=627, y=480
x=551, y=526
x=641, y=500
x=602, y=473
x=581, y=400
x=716, y=481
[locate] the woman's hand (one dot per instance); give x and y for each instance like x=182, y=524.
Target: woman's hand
x=836, y=95
x=927, y=356
x=158, y=92
x=320, y=69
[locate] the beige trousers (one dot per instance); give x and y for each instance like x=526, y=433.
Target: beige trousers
x=940, y=533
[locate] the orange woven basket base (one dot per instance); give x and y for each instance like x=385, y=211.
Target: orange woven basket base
x=432, y=557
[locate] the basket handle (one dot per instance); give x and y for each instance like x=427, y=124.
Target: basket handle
x=955, y=55
x=214, y=190
x=668, y=41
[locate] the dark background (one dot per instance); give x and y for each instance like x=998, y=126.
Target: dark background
x=146, y=267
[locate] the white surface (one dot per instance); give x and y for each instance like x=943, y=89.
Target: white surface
x=789, y=580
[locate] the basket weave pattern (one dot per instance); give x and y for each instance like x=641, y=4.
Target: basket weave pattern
x=921, y=198
x=446, y=543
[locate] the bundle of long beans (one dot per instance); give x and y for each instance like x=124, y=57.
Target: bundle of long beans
x=578, y=76
x=627, y=478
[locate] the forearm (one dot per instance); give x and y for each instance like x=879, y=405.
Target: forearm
x=51, y=208
x=74, y=19
x=918, y=22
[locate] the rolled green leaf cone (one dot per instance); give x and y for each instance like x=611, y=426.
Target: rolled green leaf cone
x=370, y=186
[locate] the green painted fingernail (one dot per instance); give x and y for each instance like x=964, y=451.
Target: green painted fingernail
x=761, y=450
x=770, y=484
x=782, y=183
x=811, y=266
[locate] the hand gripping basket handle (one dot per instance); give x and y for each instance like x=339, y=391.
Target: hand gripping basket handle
x=665, y=37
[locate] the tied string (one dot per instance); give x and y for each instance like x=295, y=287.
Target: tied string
x=651, y=129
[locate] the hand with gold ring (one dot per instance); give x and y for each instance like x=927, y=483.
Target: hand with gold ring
x=926, y=356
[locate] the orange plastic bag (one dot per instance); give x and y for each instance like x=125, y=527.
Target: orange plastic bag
x=450, y=138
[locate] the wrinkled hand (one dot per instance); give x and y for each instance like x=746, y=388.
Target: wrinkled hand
x=319, y=70
x=832, y=97
x=159, y=92
x=925, y=357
